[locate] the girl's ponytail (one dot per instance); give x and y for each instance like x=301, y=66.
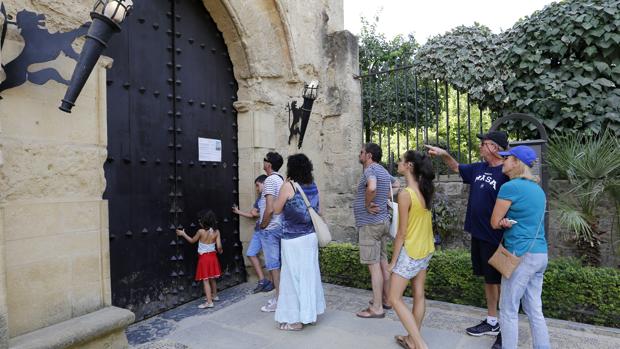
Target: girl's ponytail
x=423, y=173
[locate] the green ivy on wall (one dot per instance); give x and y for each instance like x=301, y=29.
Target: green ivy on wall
x=466, y=58
x=566, y=65
x=561, y=64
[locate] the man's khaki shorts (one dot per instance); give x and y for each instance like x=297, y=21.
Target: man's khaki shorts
x=373, y=239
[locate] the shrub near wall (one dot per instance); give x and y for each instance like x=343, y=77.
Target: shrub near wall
x=571, y=292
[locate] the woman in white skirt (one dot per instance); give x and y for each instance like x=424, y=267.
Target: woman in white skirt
x=413, y=246
x=301, y=296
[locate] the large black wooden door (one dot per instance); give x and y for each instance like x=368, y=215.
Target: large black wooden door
x=171, y=83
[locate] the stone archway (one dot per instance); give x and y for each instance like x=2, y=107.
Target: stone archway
x=247, y=28
x=275, y=46
x=259, y=45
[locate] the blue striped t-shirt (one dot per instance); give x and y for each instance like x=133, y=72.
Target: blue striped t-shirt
x=384, y=181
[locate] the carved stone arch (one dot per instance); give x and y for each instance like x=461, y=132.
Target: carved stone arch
x=258, y=38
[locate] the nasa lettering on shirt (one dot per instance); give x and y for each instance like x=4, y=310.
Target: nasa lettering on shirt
x=486, y=178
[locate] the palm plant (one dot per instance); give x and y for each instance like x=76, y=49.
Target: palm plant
x=591, y=164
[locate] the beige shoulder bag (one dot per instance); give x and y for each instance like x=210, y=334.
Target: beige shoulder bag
x=320, y=227
x=506, y=262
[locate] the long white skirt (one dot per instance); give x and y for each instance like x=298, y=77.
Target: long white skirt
x=301, y=291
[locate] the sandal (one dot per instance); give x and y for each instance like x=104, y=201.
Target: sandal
x=289, y=327
x=206, y=305
x=402, y=341
x=370, y=314
x=385, y=306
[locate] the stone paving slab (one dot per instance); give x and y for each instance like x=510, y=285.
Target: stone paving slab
x=237, y=322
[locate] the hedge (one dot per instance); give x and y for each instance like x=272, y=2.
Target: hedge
x=570, y=292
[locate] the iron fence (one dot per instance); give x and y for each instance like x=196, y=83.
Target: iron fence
x=402, y=111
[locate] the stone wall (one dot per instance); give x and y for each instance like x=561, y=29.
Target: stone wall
x=305, y=41
x=54, y=220
x=560, y=244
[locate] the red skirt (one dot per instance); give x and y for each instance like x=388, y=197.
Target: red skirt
x=208, y=266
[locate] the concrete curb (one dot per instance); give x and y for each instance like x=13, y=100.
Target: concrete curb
x=76, y=331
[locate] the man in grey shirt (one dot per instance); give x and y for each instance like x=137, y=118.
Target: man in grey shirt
x=373, y=223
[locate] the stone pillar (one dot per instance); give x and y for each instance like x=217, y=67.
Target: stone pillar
x=341, y=134
x=256, y=137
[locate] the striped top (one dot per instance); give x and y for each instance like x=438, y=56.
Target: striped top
x=384, y=180
x=272, y=187
x=419, y=241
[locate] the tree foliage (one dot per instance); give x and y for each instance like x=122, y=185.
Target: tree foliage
x=377, y=53
x=565, y=61
x=466, y=58
x=402, y=105
x=561, y=64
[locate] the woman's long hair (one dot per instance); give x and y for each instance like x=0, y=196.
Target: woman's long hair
x=299, y=168
x=423, y=173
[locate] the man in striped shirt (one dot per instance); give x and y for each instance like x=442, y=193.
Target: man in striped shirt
x=271, y=224
x=373, y=223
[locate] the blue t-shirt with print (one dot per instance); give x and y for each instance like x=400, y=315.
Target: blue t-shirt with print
x=259, y=204
x=485, y=182
x=528, y=209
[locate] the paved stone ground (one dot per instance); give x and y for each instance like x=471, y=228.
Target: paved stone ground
x=237, y=322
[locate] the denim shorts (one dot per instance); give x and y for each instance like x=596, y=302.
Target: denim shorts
x=408, y=267
x=270, y=241
x=255, y=244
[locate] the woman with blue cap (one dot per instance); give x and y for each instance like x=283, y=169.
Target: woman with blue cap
x=520, y=210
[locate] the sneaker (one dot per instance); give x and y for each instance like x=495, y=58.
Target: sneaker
x=216, y=298
x=498, y=342
x=260, y=286
x=268, y=287
x=483, y=328
x=206, y=305
x=270, y=307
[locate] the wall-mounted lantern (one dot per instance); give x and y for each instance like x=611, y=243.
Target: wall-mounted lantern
x=302, y=114
x=107, y=15
x=3, y=28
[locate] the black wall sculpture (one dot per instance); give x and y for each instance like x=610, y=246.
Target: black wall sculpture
x=40, y=46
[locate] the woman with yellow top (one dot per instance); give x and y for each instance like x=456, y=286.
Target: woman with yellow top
x=414, y=244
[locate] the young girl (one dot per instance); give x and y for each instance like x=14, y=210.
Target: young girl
x=208, y=267
x=413, y=246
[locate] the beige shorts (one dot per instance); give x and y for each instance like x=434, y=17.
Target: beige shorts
x=373, y=240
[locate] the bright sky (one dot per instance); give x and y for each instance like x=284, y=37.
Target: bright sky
x=425, y=18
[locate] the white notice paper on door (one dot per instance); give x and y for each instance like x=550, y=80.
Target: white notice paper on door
x=209, y=149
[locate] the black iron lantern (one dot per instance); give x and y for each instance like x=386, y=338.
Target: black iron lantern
x=107, y=15
x=302, y=114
